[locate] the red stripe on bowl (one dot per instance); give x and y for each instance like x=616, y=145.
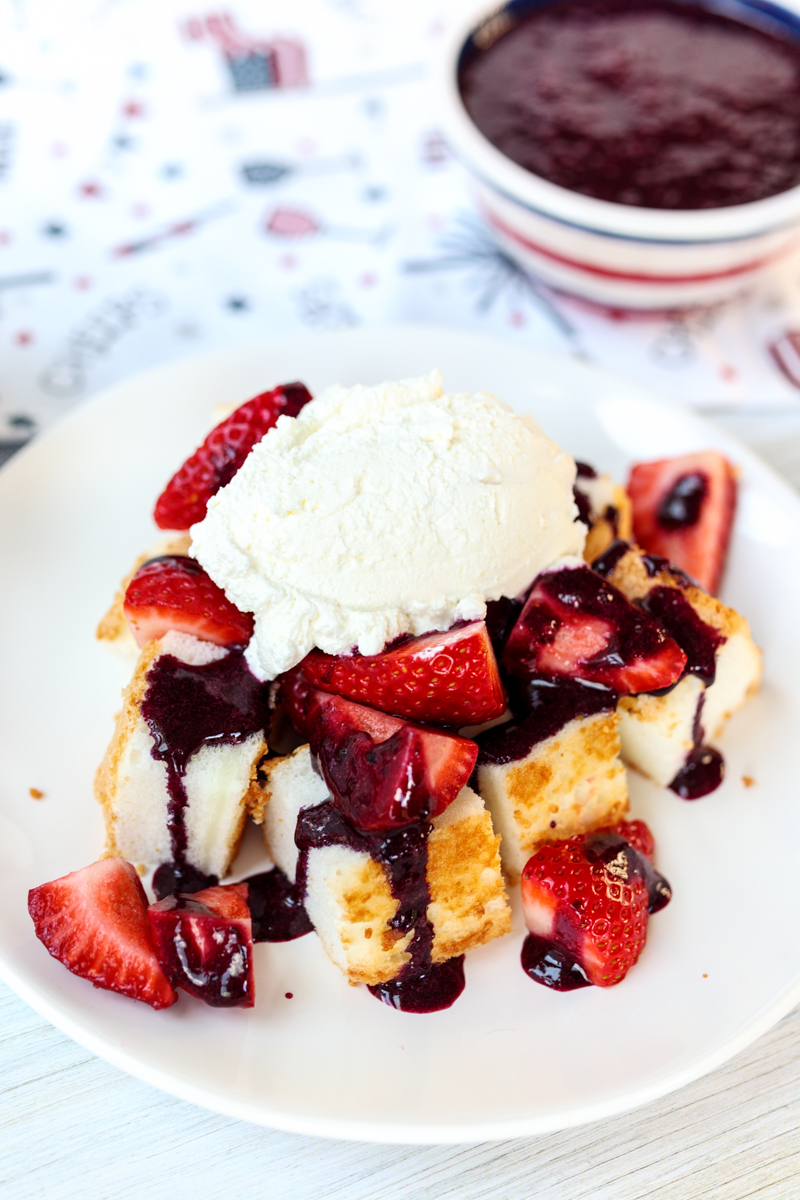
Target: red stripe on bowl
x=627, y=276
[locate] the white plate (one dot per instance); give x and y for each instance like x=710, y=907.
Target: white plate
x=722, y=962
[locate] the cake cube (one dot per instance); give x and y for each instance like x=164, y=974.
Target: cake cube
x=605, y=508
x=723, y=672
x=348, y=895
x=221, y=780
x=553, y=773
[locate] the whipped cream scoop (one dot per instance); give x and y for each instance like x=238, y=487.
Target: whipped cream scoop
x=385, y=510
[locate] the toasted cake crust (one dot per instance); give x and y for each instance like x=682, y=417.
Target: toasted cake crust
x=603, y=532
x=142, y=836
x=570, y=783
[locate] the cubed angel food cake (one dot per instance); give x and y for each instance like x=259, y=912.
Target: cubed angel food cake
x=665, y=736
x=394, y=574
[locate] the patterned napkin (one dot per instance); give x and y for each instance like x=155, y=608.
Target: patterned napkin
x=175, y=180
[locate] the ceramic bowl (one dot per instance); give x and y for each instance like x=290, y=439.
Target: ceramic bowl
x=615, y=255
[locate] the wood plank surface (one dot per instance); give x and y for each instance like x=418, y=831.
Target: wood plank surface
x=73, y=1126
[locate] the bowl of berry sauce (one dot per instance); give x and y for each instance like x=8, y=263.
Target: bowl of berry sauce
x=639, y=153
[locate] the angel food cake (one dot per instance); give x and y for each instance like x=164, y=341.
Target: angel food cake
x=374, y=631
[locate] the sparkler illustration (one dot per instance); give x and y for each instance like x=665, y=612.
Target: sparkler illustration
x=298, y=223
x=175, y=230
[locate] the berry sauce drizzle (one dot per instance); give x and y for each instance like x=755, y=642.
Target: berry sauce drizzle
x=276, y=907
x=604, y=564
x=186, y=707
x=697, y=640
x=680, y=508
x=551, y=965
x=421, y=985
x=541, y=708
x=549, y=961
x=704, y=768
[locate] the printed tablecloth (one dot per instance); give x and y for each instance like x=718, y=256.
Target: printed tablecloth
x=175, y=179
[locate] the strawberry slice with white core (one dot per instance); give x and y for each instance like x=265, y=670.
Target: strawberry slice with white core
x=174, y=592
x=94, y=921
x=184, y=499
x=683, y=510
x=447, y=678
x=205, y=943
x=382, y=772
x=586, y=902
x=575, y=623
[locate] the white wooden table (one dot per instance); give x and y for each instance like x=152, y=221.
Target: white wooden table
x=73, y=1126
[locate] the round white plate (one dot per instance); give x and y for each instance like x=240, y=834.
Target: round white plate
x=722, y=962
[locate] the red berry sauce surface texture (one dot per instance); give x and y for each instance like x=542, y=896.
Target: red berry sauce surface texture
x=650, y=103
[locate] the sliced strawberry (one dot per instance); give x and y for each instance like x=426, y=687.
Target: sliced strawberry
x=576, y=623
x=174, y=592
x=683, y=510
x=94, y=921
x=449, y=678
x=586, y=902
x=383, y=772
x=205, y=943
x=184, y=499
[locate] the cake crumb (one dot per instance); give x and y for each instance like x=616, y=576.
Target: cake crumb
x=36, y=794
x=141, y=869
x=704, y=975
x=748, y=780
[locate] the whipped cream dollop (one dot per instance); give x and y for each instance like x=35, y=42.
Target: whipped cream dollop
x=385, y=510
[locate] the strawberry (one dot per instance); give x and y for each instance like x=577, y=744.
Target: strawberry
x=205, y=942
x=448, y=678
x=174, y=592
x=382, y=772
x=184, y=499
x=94, y=921
x=683, y=510
x=586, y=902
x=576, y=623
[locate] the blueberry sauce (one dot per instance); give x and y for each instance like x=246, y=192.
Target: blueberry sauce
x=704, y=768
x=541, y=708
x=681, y=506
x=697, y=640
x=654, y=103
x=702, y=773
x=654, y=564
x=604, y=564
x=276, y=907
x=169, y=879
x=501, y=617
x=421, y=985
x=551, y=965
x=584, y=471
x=187, y=707
x=583, y=506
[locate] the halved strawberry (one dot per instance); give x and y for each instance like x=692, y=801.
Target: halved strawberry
x=174, y=592
x=586, y=902
x=184, y=499
x=205, y=943
x=576, y=623
x=94, y=921
x=383, y=772
x=683, y=509
x=449, y=678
